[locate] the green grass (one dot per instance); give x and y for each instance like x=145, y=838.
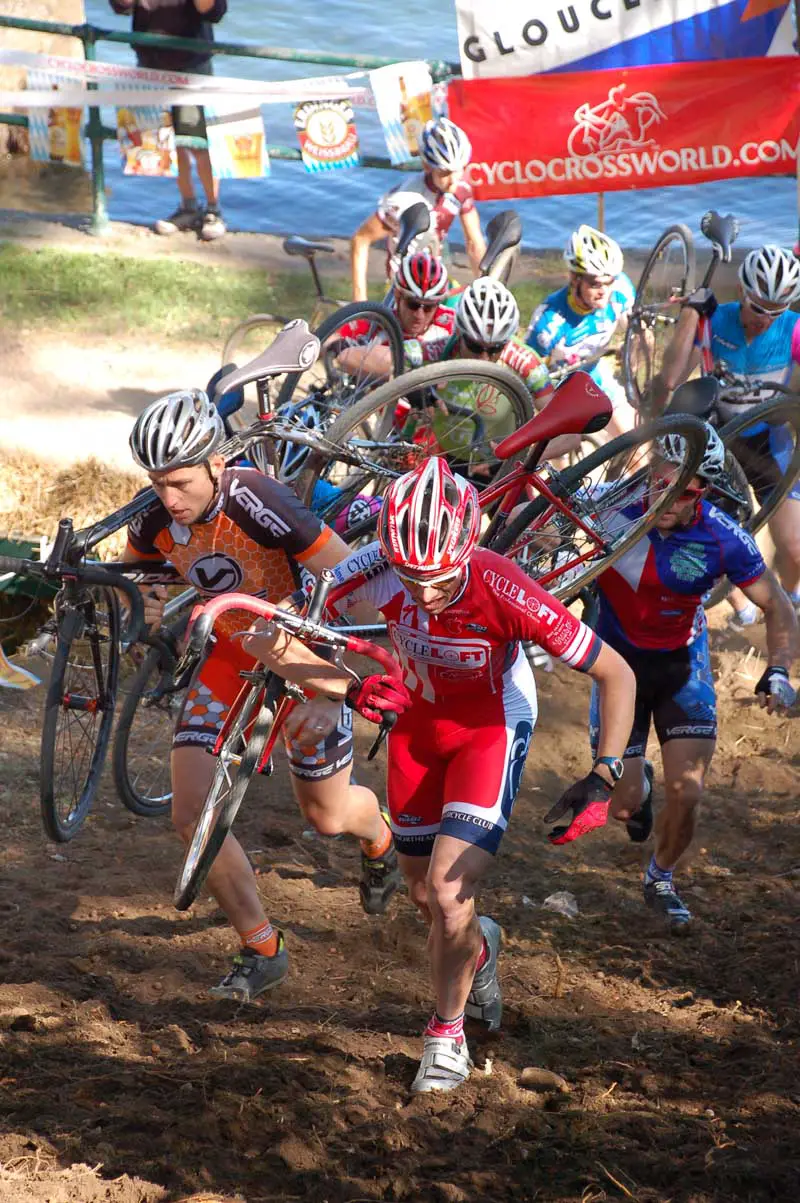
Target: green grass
x=171, y=299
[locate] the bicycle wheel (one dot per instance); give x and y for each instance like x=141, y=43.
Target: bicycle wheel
x=251, y=337
x=667, y=277
x=235, y=765
x=763, y=446
x=79, y=709
x=616, y=508
x=458, y=408
x=327, y=383
x=140, y=759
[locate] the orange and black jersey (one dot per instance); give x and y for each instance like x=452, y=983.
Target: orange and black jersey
x=251, y=540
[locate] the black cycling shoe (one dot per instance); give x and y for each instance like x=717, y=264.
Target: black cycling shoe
x=380, y=880
x=660, y=896
x=640, y=825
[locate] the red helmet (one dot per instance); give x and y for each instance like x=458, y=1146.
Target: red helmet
x=421, y=275
x=430, y=521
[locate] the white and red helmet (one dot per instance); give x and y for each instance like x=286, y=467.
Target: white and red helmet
x=421, y=274
x=430, y=521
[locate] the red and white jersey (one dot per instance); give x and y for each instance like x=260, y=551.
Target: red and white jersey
x=439, y=331
x=466, y=649
x=444, y=207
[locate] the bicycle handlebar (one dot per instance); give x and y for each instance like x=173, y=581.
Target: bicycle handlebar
x=51, y=571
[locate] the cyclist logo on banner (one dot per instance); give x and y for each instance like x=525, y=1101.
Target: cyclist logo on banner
x=617, y=124
x=327, y=134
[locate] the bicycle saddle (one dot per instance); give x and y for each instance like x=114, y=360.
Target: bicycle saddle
x=578, y=407
x=720, y=231
x=294, y=349
x=695, y=397
x=503, y=232
x=295, y=245
x=416, y=219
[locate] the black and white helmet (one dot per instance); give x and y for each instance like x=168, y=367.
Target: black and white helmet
x=444, y=145
x=177, y=431
x=771, y=274
x=487, y=312
x=672, y=448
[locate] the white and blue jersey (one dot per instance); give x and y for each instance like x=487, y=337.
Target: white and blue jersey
x=765, y=359
x=561, y=334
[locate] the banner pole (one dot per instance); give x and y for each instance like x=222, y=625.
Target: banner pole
x=601, y=205
x=796, y=15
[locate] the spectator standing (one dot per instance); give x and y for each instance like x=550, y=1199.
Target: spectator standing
x=183, y=19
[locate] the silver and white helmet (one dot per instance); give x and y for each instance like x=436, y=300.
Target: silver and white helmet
x=444, y=146
x=176, y=431
x=771, y=274
x=672, y=448
x=591, y=252
x=487, y=312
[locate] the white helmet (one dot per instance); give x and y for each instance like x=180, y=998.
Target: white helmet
x=444, y=146
x=593, y=253
x=176, y=431
x=487, y=312
x=672, y=448
x=771, y=274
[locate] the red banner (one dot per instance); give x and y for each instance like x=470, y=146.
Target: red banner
x=641, y=127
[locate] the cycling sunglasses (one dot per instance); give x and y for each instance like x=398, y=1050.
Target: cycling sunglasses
x=415, y=304
x=597, y=281
x=476, y=348
x=691, y=493
x=440, y=582
x=761, y=311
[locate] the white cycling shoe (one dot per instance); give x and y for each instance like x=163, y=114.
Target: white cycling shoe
x=445, y=1065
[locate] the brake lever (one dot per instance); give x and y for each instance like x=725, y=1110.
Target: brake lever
x=387, y=722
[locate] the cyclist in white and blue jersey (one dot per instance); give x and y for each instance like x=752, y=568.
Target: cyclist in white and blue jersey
x=754, y=341
x=576, y=323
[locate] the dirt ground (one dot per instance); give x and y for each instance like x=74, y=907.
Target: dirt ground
x=123, y=1082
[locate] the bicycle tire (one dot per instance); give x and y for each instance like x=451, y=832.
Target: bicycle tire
x=78, y=634
x=240, y=332
x=507, y=540
x=648, y=314
x=380, y=315
x=783, y=411
x=383, y=401
x=128, y=777
x=220, y=807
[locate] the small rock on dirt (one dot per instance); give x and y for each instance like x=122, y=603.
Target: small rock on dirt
x=543, y=1080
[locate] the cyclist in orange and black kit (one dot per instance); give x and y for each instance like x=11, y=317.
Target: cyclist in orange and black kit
x=236, y=530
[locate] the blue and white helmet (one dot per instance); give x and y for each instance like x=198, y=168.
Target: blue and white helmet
x=444, y=145
x=290, y=457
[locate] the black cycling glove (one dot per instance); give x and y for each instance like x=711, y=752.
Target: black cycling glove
x=703, y=301
x=589, y=800
x=774, y=683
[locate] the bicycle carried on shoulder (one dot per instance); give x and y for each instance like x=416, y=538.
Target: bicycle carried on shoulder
x=253, y=724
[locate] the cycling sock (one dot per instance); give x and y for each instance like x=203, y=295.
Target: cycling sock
x=747, y=615
x=375, y=849
x=483, y=955
x=655, y=873
x=262, y=939
x=794, y=596
x=452, y=1029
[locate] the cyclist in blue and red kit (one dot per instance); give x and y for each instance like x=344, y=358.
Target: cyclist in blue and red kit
x=651, y=612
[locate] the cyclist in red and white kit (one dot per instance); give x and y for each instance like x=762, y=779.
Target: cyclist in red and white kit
x=456, y=616
x=445, y=151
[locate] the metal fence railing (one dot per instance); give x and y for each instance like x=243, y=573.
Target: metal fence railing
x=97, y=133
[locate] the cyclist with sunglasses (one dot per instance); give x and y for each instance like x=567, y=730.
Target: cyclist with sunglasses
x=445, y=151
x=755, y=340
x=574, y=325
x=651, y=612
x=456, y=614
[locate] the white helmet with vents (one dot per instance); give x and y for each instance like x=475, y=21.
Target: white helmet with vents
x=176, y=431
x=672, y=448
x=771, y=274
x=487, y=312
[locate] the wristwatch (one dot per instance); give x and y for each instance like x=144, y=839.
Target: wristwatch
x=614, y=765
